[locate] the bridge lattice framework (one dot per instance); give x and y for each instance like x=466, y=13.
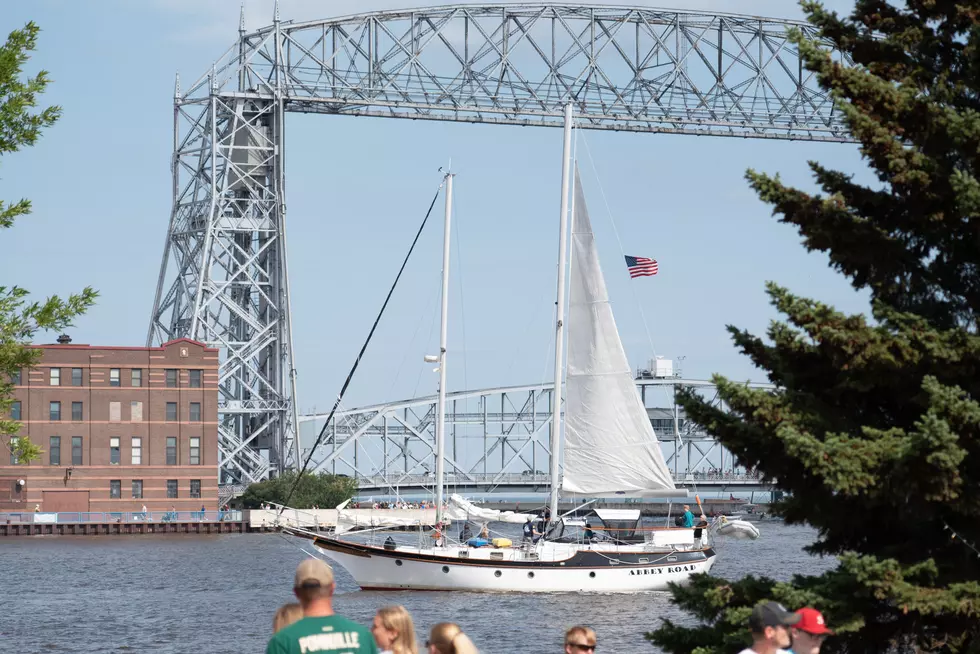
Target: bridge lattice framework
x=224, y=276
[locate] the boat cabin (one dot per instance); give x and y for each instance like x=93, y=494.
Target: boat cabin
x=620, y=524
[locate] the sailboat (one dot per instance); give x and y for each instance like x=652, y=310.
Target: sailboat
x=610, y=450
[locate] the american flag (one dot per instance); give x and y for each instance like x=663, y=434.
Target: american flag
x=641, y=266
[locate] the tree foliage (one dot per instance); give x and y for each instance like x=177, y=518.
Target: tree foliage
x=874, y=428
x=323, y=490
x=20, y=318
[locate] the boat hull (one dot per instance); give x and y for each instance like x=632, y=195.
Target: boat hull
x=588, y=571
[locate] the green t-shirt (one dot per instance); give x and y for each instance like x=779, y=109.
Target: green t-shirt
x=332, y=634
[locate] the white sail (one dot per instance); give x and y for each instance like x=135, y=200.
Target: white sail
x=461, y=509
x=610, y=447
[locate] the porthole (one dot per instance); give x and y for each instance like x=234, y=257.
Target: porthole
x=445, y=569
x=497, y=573
x=398, y=562
x=592, y=575
x=530, y=575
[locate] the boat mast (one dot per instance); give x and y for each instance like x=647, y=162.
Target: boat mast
x=566, y=170
x=443, y=329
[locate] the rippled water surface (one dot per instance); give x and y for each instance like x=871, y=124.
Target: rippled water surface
x=217, y=594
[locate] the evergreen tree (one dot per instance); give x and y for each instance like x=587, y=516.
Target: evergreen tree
x=874, y=431
x=20, y=319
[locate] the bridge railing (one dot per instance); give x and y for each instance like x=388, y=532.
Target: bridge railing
x=532, y=479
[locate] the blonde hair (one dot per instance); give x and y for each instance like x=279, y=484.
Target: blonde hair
x=448, y=638
x=399, y=620
x=585, y=631
x=286, y=615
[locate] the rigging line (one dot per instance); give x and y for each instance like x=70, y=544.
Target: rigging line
x=612, y=221
x=364, y=347
x=459, y=275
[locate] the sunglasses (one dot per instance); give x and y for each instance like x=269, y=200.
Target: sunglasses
x=582, y=647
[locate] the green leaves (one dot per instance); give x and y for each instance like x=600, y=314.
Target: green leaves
x=324, y=490
x=20, y=318
x=874, y=432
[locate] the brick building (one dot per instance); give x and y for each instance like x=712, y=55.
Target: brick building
x=121, y=427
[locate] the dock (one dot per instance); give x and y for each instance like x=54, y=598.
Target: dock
x=122, y=523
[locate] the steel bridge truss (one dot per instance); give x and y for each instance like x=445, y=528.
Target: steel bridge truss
x=223, y=279
x=492, y=435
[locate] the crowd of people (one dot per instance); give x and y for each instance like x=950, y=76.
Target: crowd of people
x=312, y=626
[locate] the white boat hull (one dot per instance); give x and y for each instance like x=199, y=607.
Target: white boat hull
x=401, y=571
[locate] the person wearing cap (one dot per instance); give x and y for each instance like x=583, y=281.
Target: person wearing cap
x=320, y=630
x=810, y=632
x=769, y=624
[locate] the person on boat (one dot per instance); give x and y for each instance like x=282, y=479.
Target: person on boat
x=485, y=533
x=448, y=638
x=394, y=631
x=465, y=534
x=437, y=536
x=285, y=616
x=809, y=633
x=589, y=534
x=320, y=629
x=698, y=530
x=528, y=531
x=688, y=516
x=579, y=639
x=769, y=625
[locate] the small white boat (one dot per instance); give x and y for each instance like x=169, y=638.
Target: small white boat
x=738, y=529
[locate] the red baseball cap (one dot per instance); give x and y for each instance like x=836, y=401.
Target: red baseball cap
x=812, y=622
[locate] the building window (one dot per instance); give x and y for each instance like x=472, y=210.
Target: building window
x=136, y=411
x=76, y=450
x=76, y=376
x=171, y=451
x=115, y=489
x=115, y=411
x=13, y=450
x=56, y=377
x=195, y=378
x=54, y=451
x=172, y=489
x=171, y=378
x=114, y=377
x=171, y=411
x=136, y=377
x=54, y=411
x=195, y=412
x=76, y=411
x=137, y=450
x=196, y=488
x=15, y=378
x=137, y=489
x=15, y=410
x=114, y=451
x=195, y=451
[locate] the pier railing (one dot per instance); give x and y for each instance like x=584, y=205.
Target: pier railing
x=123, y=517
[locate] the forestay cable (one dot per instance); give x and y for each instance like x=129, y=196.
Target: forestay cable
x=360, y=354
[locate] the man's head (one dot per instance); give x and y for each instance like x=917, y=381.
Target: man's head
x=770, y=623
x=313, y=582
x=810, y=632
x=579, y=640
x=687, y=507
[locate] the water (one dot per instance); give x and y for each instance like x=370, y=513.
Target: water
x=217, y=594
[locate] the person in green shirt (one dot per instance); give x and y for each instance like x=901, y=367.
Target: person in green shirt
x=320, y=630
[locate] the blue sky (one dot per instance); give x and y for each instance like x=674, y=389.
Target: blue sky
x=357, y=189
